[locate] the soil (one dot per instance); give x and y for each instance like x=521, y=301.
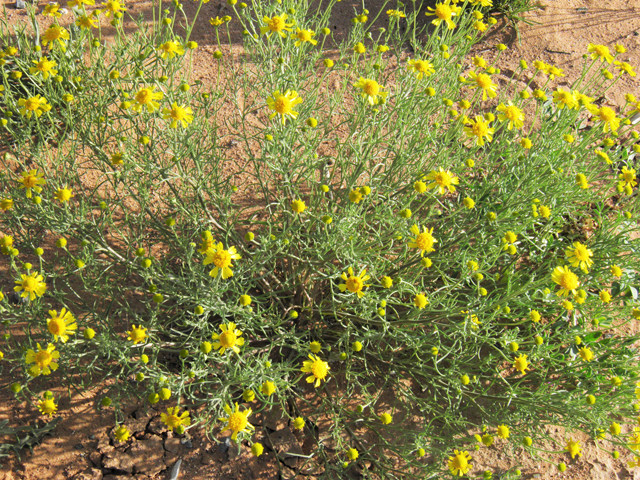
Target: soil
x=82, y=446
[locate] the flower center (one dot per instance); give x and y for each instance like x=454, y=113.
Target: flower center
x=29, y=284
x=276, y=24
x=43, y=358
x=30, y=181
x=483, y=81
x=460, y=463
x=137, y=335
x=629, y=176
x=57, y=326
x=32, y=104
x=569, y=281
x=443, y=12
x=304, y=35
x=479, y=129
x=319, y=369
x=228, y=339
x=565, y=97
x=48, y=406
x=354, y=284
x=237, y=421
x=53, y=33
x=601, y=50
x=607, y=114
x=222, y=259
x=443, y=178
x=581, y=253
x=44, y=66
x=283, y=105
x=371, y=87
x=173, y=421
x=177, y=113
x=144, y=96
x=169, y=47
x=424, y=241
x=512, y=113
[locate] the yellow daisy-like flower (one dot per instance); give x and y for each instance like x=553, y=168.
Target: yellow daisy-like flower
x=6, y=204
x=43, y=360
x=304, y=36
x=276, y=24
x=484, y=82
x=443, y=180
x=146, y=97
x=424, y=240
x=580, y=256
x=563, y=99
x=512, y=113
x=137, y=334
x=78, y=3
x=172, y=420
x=122, y=433
x=53, y=33
x=566, y=279
x=61, y=325
x=221, y=258
x=52, y=10
x=371, y=90
x=178, y=115
x=284, y=104
x=207, y=242
x=111, y=7
x=298, y=206
x=624, y=67
x=47, y=406
x=586, y=354
x=521, y=364
x=230, y=338
x=600, y=52
x=32, y=286
x=422, y=68
x=354, y=284
x=64, y=194
x=607, y=116
x=503, y=431
x=44, y=67
x=170, y=49
x=396, y=14
x=573, y=448
x=480, y=130
x=460, y=463
x=317, y=368
x=628, y=177
x=31, y=105
x=444, y=12
x=87, y=22
x=31, y=180
x=237, y=421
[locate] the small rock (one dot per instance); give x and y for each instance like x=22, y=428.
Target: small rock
x=96, y=458
x=78, y=446
x=186, y=443
x=118, y=461
x=147, y=456
x=224, y=446
x=20, y=5
x=16, y=299
x=92, y=437
x=173, y=445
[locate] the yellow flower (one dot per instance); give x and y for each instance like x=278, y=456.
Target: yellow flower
x=230, y=338
x=87, y=22
x=122, y=433
x=77, y=3
x=137, y=334
x=112, y=6
x=216, y=22
x=276, y=24
x=580, y=256
x=268, y=388
x=616, y=271
x=483, y=82
x=521, y=364
x=396, y=14
x=573, y=448
x=304, y=36
x=177, y=114
x=503, y=431
x=420, y=301
x=170, y=49
x=284, y=104
x=53, y=33
x=371, y=90
x=566, y=279
x=237, y=421
x=353, y=283
x=48, y=406
x=44, y=360
x=480, y=130
x=31, y=105
x=423, y=68
x=423, y=241
x=600, y=52
x=32, y=286
x=605, y=296
x=586, y=354
x=6, y=204
x=564, y=99
x=317, y=368
x=44, y=66
x=64, y=194
x=221, y=258
x=444, y=12
x=628, y=177
x=172, y=420
x=513, y=114
x=607, y=116
x=460, y=463
x=146, y=97
x=298, y=206
x=60, y=325
x=443, y=180
x=624, y=67
x=355, y=196
x=52, y=10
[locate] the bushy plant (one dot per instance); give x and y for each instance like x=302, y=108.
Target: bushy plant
x=416, y=255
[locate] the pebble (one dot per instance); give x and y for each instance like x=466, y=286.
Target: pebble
x=78, y=446
x=187, y=443
x=20, y=5
x=175, y=471
x=224, y=446
x=92, y=437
